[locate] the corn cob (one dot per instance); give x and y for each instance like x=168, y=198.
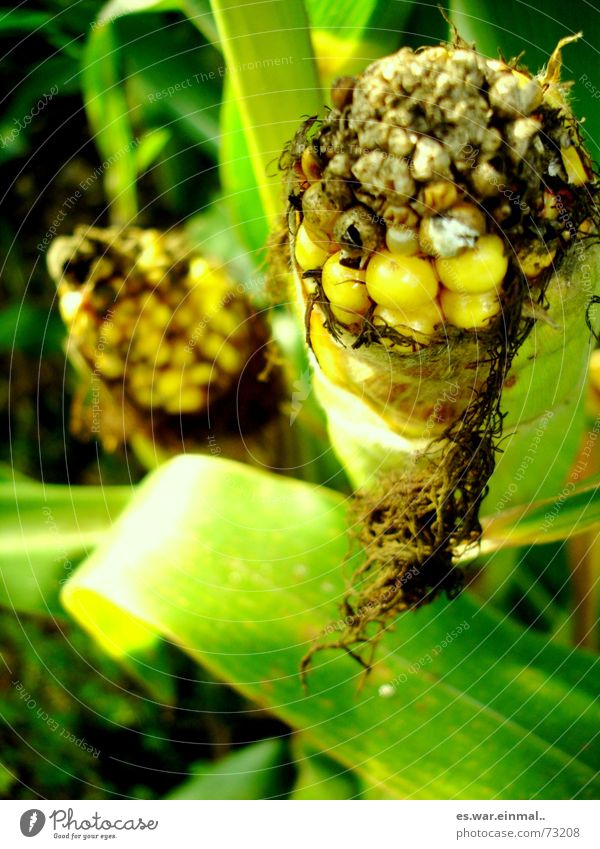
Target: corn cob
x=172, y=346
x=436, y=216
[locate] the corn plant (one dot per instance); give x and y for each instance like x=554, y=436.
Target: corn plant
x=373, y=501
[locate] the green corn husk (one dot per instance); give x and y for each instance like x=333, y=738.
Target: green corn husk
x=441, y=156
x=171, y=354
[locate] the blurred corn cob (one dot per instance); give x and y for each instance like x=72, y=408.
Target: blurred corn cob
x=172, y=347
x=437, y=215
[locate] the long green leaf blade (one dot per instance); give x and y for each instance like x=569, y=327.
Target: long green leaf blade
x=268, y=56
x=241, y=569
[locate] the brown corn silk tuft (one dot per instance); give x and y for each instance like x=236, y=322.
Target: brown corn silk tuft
x=403, y=146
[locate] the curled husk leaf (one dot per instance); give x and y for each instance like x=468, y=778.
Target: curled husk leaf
x=447, y=212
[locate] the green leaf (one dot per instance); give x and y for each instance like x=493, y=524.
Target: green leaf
x=269, y=60
x=350, y=34
x=117, y=8
x=242, y=569
x=19, y=20
x=258, y=771
x=575, y=509
x=110, y=122
x=52, y=78
x=171, y=87
x=25, y=327
x=322, y=777
x=240, y=190
x=45, y=531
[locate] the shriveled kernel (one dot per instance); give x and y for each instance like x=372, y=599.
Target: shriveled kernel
x=469, y=214
x=470, y=312
x=479, y=269
x=308, y=254
x=318, y=210
x=438, y=196
x=358, y=231
x=401, y=282
x=345, y=290
x=310, y=164
x=535, y=258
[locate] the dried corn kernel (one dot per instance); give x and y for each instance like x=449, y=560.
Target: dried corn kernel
x=535, y=258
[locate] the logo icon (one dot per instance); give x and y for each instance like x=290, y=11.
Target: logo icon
x=32, y=822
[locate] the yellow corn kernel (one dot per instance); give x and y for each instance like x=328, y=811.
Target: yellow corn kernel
x=309, y=255
x=476, y=270
x=110, y=333
x=420, y=326
x=200, y=374
x=401, y=282
x=225, y=355
x=189, y=400
x=402, y=241
x=345, y=289
x=536, y=259
x=160, y=315
x=109, y=365
x=182, y=354
x=167, y=384
x=143, y=396
x=470, y=312
x=574, y=166
x=146, y=343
